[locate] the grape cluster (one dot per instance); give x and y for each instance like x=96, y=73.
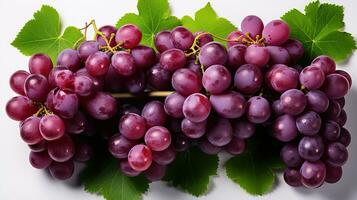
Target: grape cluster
x=192, y=91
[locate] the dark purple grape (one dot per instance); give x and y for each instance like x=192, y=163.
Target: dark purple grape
x=281, y=78
x=39, y=146
x=140, y=157
x=284, y=128
x=236, y=56
x=253, y=25
x=144, y=56
x=158, y=77
x=136, y=83
x=243, y=129
x=163, y=41
x=345, y=137
x=336, y=154
x=277, y=108
x=19, y=108
x=248, y=79
x=164, y=157
x=173, y=105
x=155, y=172
x=127, y=108
x=208, y=148
x=127, y=169
x=333, y=110
x=62, y=170
x=276, y=32
x=52, y=127
x=213, y=53
x=119, y=146
x=97, y=64
x=346, y=75
x=236, y=146
x=77, y=124
x=192, y=129
x=107, y=31
x=182, y=38
x=312, y=77
x=278, y=55
x=333, y=174
x=186, y=82
x=342, y=119
x=83, y=86
x=129, y=36
x=293, y=102
x=65, y=104
x=40, y=160
x=196, y=107
x=69, y=58
x=290, y=155
x=29, y=130
x=216, y=79
x=295, y=49
x=87, y=48
x=132, y=126
x=40, y=64
x=154, y=114
x=313, y=174
x=317, y=101
x=309, y=123
x=157, y=138
x=221, y=133
x=203, y=38
x=123, y=63
x=341, y=101
x=292, y=177
x=195, y=67
x=256, y=55
x=325, y=63
x=331, y=130
x=173, y=59
x=311, y=148
x=257, y=109
x=62, y=149
x=228, y=105
x=101, y=106
x=36, y=87
x=17, y=81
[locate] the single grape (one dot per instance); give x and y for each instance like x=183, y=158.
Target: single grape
x=19, y=108
x=62, y=149
x=195, y=67
x=317, y=101
x=276, y=32
x=62, y=170
x=313, y=174
x=40, y=160
x=312, y=77
x=119, y=146
x=331, y=130
x=39, y=146
x=127, y=169
x=64, y=79
x=284, y=128
x=292, y=177
x=278, y=55
x=123, y=63
x=216, y=79
x=158, y=77
x=295, y=49
x=257, y=109
x=132, y=126
x=256, y=55
x=289, y=154
x=136, y=83
x=173, y=105
x=163, y=41
x=253, y=25
x=192, y=129
x=335, y=86
x=213, y=53
x=228, y=105
x=97, y=64
x=17, y=81
x=196, y=107
x=87, y=48
x=208, y=148
x=107, y=31
x=277, y=108
x=129, y=36
x=236, y=146
x=65, y=104
x=52, y=127
x=342, y=119
x=243, y=129
x=157, y=138
x=311, y=148
x=293, y=102
x=248, y=79
x=236, y=56
x=155, y=172
x=221, y=133
x=69, y=58
x=52, y=76
x=182, y=38
x=98, y=81
x=309, y=123
x=281, y=78
x=84, y=152
x=77, y=124
x=336, y=154
x=40, y=64
x=186, y=82
x=235, y=37
x=101, y=106
x=164, y=157
x=333, y=174
x=36, y=87
x=173, y=59
x=144, y=56
x=83, y=86
x=29, y=130
x=325, y=63
x=203, y=38
x=345, y=137
x=140, y=157
x=346, y=75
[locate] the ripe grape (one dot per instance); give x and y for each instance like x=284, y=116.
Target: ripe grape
x=311, y=148
x=234, y=38
x=157, y=138
x=256, y=55
x=107, y=31
x=313, y=174
x=276, y=107
x=248, y=79
x=331, y=130
x=101, y=106
x=127, y=169
x=40, y=64
x=182, y=38
x=292, y=177
x=213, y=53
x=173, y=59
x=62, y=149
x=345, y=137
x=62, y=170
x=281, y=78
x=203, y=38
x=158, y=77
x=293, y=102
x=228, y=105
x=284, y=128
x=77, y=124
x=216, y=79
x=253, y=25
x=173, y=105
x=155, y=172
x=257, y=109
x=19, y=108
x=98, y=82
x=290, y=155
x=317, y=101
x=196, y=107
x=29, y=130
x=243, y=129
x=40, y=160
x=132, y=126
x=221, y=133
x=333, y=174
x=335, y=86
x=236, y=146
x=64, y=79
x=36, y=87
x=278, y=55
x=17, y=81
x=129, y=35
x=276, y=32
x=236, y=56
x=186, y=82
x=312, y=77
x=119, y=146
x=69, y=58
x=123, y=63
x=154, y=114
x=346, y=75
x=97, y=64
x=83, y=86
x=163, y=41
x=65, y=104
x=136, y=83
x=38, y=147
x=192, y=129
x=140, y=157
x=195, y=67
x=208, y=148
x=52, y=127
x=295, y=49
x=309, y=123
x=88, y=48
x=164, y=157
x=325, y=63
x=336, y=154
x=143, y=56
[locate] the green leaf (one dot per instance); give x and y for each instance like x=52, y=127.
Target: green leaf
x=42, y=34
x=192, y=170
x=207, y=20
x=154, y=16
x=319, y=29
x=104, y=178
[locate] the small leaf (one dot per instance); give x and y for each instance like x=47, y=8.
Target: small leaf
x=154, y=16
x=43, y=34
x=319, y=29
x=106, y=179
x=192, y=170
x=207, y=20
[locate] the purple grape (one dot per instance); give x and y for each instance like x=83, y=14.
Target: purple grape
x=182, y=38
x=293, y=102
x=192, y=129
x=235, y=37
x=311, y=148
x=107, y=31
x=69, y=58
x=186, y=82
x=62, y=149
x=127, y=169
x=336, y=154
x=325, y=63
x=333, y=174
x=243, y=129
x=253, y=25
x=29, y=130
x=313, y=174
x=19, y=108
x=331, y=131
x=248, y=79
x=317, y=101
x=40, y=64
x=98, y=82
x=257, y=109
x=136, y=83
x=208, y=148
x=276, y=108
x=84, y=152
x=216, y=79
x=101, y=106
x=341, y=101
x=203, y=38
x=173, y=59
x=155, y=172
x=77, y=124
x=292, y=177
x=342, y=119
x=158, y=77
x=154, y=113
x=132, y=126
x=196, y=107
x=123, y=63
x=312, y=77
x=64, y=79
x=335, y=86
x=345, y=137
x=127, y=108
x=119, y=146
x=87, y=48
x=83, y=86
x=97, y=64
x=36, y=87
x=309, y=123
x=65, y=104
x=295, y=49
x=144, y=56
x=163, y=41
x=195, y=67
x=256, y=55
x=164, y=157
x=52, y=127
x=236, y=56
x=17, y=81
x=173, y=105
x=278, y=55
x=284, y=128
x=228, y=105
x=281, y=78
x=157, y=138
x=129, y=36
x=236, y=146
x=276, y=32
x=40, y=160
x=213, y=53
x=62, y=170
x=290, y=155
x=140, y=157
x=346, y=75
x=221, y=133
x=39, y=146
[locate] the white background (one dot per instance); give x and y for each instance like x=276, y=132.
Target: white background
x=18, y=180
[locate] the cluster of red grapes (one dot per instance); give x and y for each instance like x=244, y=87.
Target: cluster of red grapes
x=221, y=95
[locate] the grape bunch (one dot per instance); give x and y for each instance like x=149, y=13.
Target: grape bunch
x=149, y=104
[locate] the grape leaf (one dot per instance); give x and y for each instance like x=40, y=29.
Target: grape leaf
x=207, y=20
x=42, y=34
x=154, y=16
x=191, y=171
x=319, y=29
x=105, y=178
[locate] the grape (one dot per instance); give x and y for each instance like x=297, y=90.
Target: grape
x=40, y=64
x=36, y=87
x=295, y=49
x=253, y=25
x=312, y=77
x=335, y=86
x=276, y=108
x=101, y=106
x=173, y=105
x=52, y=76
x=309, y=123
x=163, y=41
x=62, y=170
x=155, y=172
x=341, y=101
x=154, y=114
x=119, y=146
x=88, y=48
x=98, y=82
x=317, y=101
x=38, y=147
x=311, y=148
x=83, y=86
x=40, y=160
x=181, y=142
x=132, y=126
x=203, y=38
x=236, y=55
x=129, y=36
x=220, y=133
x=208, y=148
x=248, y=79
x=192, y=65
x=140, y=157
x=65, y=104
x=123, y=63
x=216, y=79
x=17, y=81
x=281, y=78
x=345, y=137
x=127, y=108
x=236, y=146
x=256, y=55
x=62, y=149
x=284, y=128
x=136, y=83
x=293, y=102
x=127, y=169
x=234, y=38
x=113, y=82
x=289, y=154
x=333, y=174
x=243, y=129
x=292, y=177
x=276, y=32
x=97, y=64
x=182, y=38
x=19, y=108
x=213, y=53
x=325, y=63
x=192, y=129
x=51, y=127
x=84, y=152
x=164, y=157
x=186, y=82
x=77, y=124
x=29, y=130
x=64, y=79
x=107, y=31
x=342, y=119
x=196, y=107
x=313, y=174
x=331, y=130
x=346, y=75
x=336, y=154
x=228, y=105
x=257, y=109
x=69, y=58
x=173, y=59
x=143, y=56
x=158, y=77
x=157, y=138
x=278, y=55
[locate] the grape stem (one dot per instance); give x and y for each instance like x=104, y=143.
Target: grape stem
x=42, y=110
